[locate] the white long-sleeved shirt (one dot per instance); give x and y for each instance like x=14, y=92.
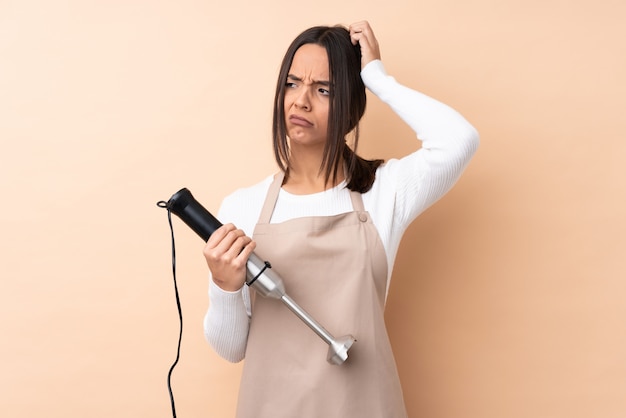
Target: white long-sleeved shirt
x=403, y=189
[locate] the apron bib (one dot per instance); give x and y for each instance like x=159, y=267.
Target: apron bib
x=335, y=268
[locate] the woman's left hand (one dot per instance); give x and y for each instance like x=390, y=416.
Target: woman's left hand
x=361, y=33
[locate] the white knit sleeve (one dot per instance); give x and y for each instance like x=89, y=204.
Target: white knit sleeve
x=226, y=322
x=405, y=187
x=448, y=143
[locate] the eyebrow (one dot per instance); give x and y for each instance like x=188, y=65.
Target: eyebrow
x=318, y=82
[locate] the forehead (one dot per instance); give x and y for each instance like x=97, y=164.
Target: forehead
x=310, y=61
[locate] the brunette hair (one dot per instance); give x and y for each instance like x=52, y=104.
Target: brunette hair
x=347, y=105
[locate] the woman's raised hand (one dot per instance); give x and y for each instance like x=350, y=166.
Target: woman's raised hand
x=361, y=33
x=226, y=252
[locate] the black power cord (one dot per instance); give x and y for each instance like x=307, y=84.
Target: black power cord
x=163, y=204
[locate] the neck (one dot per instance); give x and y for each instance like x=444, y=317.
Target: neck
x=305, y=176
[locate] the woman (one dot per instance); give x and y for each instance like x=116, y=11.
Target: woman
x=330, y=222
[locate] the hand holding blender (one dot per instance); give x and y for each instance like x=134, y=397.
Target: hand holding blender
x=231, y=246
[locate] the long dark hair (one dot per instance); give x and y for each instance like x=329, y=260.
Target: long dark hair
x=347, y=105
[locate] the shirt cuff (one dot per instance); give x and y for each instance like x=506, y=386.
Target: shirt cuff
x=220, y=295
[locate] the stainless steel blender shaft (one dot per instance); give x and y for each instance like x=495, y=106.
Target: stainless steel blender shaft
x=264, y=280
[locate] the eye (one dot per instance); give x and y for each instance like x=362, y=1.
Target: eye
x=290, y=85
x=324, y=92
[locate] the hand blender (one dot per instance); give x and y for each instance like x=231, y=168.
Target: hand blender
x=259, y=273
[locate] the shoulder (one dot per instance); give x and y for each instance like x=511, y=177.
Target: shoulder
x=386, y=177
x=393, y=183
x=243, y=206
x=246, y=194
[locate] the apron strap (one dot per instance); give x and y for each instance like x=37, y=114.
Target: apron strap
x=271, y=198
x=357, y=201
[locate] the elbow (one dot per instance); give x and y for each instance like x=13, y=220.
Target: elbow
x=472, y=139
x=225, y=351
x=467, y=145
x=230, y=357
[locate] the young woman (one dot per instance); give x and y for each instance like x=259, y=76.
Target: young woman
x=330, y=222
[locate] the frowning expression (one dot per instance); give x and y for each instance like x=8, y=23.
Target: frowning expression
x=307, y=97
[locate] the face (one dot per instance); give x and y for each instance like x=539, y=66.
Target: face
x=307, y=97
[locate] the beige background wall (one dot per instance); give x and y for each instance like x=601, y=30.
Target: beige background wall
x=508, y=295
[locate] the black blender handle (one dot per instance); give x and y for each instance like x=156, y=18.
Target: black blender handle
x=186, y=207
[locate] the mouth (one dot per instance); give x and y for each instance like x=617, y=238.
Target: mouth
x=300, y=121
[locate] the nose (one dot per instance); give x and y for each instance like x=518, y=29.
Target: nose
x=303, y=100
